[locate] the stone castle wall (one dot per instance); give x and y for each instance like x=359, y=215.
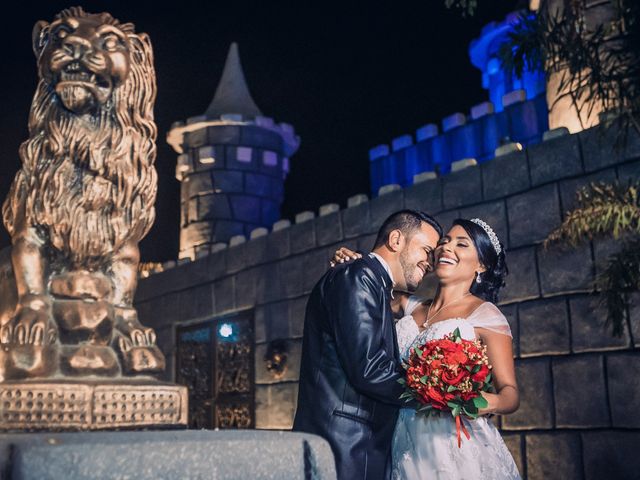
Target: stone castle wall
x=579, y=385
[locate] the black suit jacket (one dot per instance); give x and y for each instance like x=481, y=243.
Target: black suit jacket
x=349, y=390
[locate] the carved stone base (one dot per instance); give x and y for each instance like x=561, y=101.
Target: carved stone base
x=102, y=405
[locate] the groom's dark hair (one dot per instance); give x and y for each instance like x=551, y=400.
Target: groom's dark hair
x=407, y=221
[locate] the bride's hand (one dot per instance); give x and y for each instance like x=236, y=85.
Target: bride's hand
x=343, y=254
x=492, y=399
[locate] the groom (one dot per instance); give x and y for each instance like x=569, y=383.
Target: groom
x=349, y=391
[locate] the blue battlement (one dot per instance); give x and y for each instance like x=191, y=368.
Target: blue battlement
x=523, y=122
x=516, y=112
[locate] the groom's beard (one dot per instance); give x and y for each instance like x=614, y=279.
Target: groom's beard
x=410, y=271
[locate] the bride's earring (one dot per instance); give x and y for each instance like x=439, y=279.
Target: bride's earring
x=478, y=279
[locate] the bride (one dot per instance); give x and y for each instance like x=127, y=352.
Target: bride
x=470, y=265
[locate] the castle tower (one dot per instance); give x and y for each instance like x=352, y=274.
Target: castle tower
x=232, y=164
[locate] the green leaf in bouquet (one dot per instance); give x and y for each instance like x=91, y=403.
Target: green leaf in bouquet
x=456, y=335
x=453, y=405
x=424, y=379
x=451, y=388
x=405, y=395
x=425, y=408
x=469, y=407
x=468, y=367
x=476, y=369
x=480, y=402
x=402, y=381
x=488, y=379
x=456, y=411
x=418, y=351
x=470, y=412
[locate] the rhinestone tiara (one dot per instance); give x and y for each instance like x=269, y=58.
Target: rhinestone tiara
x=489, y=231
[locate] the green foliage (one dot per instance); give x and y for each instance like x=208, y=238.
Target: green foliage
x=600, y=66
x=608, y=210
x=522, y=51
x=480, y=402
x=620, y=278
x=601, y=209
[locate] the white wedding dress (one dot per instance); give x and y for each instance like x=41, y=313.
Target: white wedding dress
x=427, y=447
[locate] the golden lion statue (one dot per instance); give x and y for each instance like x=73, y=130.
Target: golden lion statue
x=81, y=203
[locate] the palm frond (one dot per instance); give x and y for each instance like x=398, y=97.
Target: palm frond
x=602, y=209
x=600, y=64
x=620, y=277
x=522, y=50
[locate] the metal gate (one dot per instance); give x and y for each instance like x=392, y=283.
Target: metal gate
x=215, y=361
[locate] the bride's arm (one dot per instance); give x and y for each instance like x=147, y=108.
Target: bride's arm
x=342, y=255
x=500, y=353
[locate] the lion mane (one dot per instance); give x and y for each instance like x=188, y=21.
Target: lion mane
x=88, y=185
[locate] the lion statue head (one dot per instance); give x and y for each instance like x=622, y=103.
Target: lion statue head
x=87, y=182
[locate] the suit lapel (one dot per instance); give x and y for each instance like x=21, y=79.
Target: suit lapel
x=387, y=287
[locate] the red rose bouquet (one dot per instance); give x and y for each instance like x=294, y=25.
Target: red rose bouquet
x=448, y=375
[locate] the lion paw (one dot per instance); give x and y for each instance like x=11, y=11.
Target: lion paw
x=32, y=323
x=132, y=332
x=137, y=344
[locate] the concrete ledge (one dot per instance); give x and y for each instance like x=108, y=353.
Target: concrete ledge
x=426, y=132
x=305, y=216
x=281, y=225
x=463, y=163
x=555, y=133
x=216, y=247
x=401, y=142
x=258, y=232
x=328, y=208
x=453, y=121
x=481, y=110
x=516, y=96
x=223, y=455
x=392, y=187
x=508, y=148
x=357, y=200
x=237, y=240
x=424, y=176
x=378, y=152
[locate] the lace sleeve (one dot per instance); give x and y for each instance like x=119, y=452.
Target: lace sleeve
x=489, y=317
x=406, y=331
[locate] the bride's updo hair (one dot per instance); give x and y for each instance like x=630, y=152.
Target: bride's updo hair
x=492, y=280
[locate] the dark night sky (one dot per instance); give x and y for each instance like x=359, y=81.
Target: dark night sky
x=347, y=77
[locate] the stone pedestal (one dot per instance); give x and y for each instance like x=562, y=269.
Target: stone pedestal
x=223, y=455
x=91, y=405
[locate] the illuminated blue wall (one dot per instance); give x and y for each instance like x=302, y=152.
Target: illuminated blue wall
x=523, y=118
x=483, y=53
